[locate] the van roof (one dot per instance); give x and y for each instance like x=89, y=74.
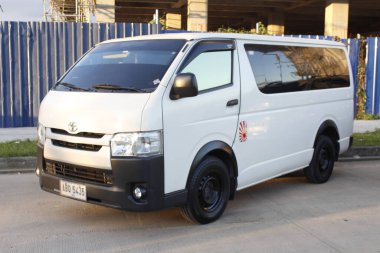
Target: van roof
x=196, y=36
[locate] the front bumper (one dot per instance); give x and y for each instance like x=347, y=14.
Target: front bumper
x=126, y=172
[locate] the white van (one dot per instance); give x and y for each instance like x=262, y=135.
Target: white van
x=187, y=120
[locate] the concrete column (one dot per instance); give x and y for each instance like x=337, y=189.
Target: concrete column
x=105, y=11
x=173, y=21
x=276, y=23
x=336, y=18
x=183, y=11
x=197, y=15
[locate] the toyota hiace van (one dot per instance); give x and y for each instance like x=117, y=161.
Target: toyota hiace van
x=186, y=120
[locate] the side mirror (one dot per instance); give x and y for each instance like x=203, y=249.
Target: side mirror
x=185, y=85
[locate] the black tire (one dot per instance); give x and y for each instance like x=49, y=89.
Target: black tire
x=322, y=163
x=208, y=191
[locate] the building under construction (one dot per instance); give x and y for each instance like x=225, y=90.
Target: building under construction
x=68, y=10
x=342, y=18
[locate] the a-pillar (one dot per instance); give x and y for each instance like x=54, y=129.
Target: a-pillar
x=173, y=21
x=197, y=15
x=336, y=18
x=276, y=23
x=105, y=11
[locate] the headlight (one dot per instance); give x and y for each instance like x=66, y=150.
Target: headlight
x=136, y=144
x=41, y=134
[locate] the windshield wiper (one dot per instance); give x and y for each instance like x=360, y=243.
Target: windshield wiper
x=72, y=86
x=117, y=87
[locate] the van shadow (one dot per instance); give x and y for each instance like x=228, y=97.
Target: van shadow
x=289, y=197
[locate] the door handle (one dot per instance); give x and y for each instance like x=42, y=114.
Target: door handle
x=233, y=102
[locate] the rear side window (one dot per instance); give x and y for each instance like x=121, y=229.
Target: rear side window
x=279, y=69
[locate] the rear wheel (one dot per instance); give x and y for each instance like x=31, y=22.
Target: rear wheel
x=322, y=163
x=209, y=190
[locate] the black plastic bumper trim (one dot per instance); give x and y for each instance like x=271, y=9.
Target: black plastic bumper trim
x=127, y=172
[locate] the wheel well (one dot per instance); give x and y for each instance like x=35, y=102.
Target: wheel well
x=328, y=128
x=225, y=153
x=231, y=165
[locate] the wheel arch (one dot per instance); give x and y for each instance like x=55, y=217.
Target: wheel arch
x=330, y=129
x=224, y=152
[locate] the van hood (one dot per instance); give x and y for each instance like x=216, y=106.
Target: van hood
x=106, y=113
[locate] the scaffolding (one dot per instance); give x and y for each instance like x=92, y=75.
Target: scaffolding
x=68, y=10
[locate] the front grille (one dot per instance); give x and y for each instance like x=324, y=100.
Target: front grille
x=81, y=134
x=86, y=174
x=80, y=146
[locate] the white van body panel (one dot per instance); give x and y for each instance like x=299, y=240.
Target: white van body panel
x=190, y=123
x=281, y=128
x=106, y=113
x=191, y=132
x=93, y=112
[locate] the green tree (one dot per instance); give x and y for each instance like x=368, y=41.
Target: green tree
x=361, y=92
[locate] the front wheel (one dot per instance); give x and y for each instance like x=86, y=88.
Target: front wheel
x=322, y=163
x=209, y=191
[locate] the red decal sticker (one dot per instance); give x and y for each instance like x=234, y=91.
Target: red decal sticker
x=243, y=131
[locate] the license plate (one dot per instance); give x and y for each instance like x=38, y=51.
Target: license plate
x=73, y=190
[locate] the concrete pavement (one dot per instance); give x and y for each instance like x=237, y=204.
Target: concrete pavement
x=362, y=126
x=18, y=133
x=282, y=215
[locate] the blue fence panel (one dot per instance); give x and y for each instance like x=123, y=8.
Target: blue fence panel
x=34, y=55
x=136, y=30
x=5, y=74
x=127, y=29
x=23, y=73
x=34, y=81
x=373, y=76
x=111, y=31
x=353, y=50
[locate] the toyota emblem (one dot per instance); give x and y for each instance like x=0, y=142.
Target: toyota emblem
x=73, y=127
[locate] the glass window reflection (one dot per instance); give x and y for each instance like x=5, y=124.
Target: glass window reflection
x=279, y=69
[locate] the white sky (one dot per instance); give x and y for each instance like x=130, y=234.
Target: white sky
x=21, y=10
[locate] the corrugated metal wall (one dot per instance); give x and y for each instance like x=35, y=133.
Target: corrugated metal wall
x=373, y=76
x=353, y=50
x=33, y=55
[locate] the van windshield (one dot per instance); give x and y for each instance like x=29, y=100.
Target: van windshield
x=129, y=66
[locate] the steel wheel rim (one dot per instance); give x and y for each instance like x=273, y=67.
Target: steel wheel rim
x=210, y=192
x=324, y=159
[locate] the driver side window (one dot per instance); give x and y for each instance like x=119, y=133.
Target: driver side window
x=211, y=68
